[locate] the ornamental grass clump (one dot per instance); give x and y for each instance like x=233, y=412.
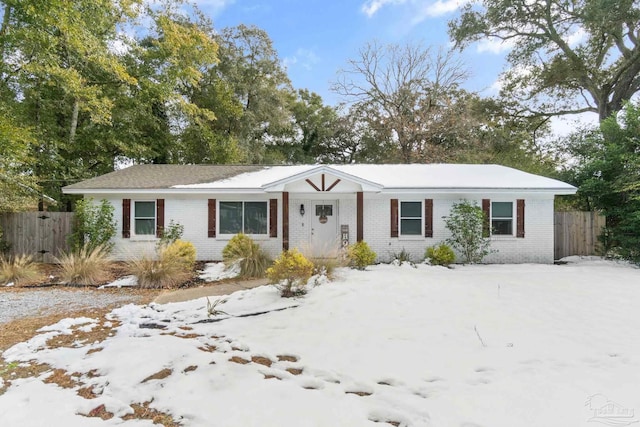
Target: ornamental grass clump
x=290, y=273
x=19, y=270
x=87, y=266
x=242, y=250
x=172, y=266
x=360, y=255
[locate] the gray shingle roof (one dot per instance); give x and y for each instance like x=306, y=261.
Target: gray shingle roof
x=161, y=176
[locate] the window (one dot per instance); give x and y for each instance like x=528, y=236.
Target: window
x=144, y=218
x=410, y=218
x=502, y=218
x=243, y=217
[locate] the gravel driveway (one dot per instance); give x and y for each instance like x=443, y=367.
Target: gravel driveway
x=15, y=304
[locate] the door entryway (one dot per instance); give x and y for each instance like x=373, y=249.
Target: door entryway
x=324, y=226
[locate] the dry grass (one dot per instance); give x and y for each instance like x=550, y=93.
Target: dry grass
x=143, y=412
x=87, y=267
x=160, y=375
x=168, y=271
x=262, y=361
x=239, y=360
x=19, y=270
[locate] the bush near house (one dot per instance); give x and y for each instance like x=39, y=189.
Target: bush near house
x=441, y=254
x=466, y=222
x=171, y=233
x=290, y=273
x=94, y=226
x=242, y=249
x=183, y=251
x=360, y=255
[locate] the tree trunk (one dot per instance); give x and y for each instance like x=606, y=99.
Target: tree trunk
x=74, y=121
x=5, y=21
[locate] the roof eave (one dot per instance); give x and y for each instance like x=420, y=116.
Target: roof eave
x=443, y=190
x=279, y=185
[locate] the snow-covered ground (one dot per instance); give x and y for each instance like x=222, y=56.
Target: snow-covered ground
x=490, y=346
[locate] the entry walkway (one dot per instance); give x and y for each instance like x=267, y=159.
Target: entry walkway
x=226, y=288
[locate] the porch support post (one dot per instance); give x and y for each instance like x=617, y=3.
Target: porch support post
x=285, y=220
x=359, y=216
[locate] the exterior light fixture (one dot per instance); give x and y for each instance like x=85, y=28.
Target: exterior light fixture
x=301, y=210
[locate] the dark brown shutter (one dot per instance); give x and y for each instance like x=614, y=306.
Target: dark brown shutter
x=359, y=216
x=486, y=209
x=520, y=218
x=273, y=217
x=428, y=217
x=211, y=218
x=285, y=220
x=159, y=217
x=394, y=217
x=126, y=218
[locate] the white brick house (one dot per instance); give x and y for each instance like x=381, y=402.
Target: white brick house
x=320, y=207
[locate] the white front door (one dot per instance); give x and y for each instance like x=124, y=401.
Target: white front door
x=324, y=227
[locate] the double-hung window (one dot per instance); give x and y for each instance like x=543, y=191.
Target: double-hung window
x=410, y=218
x=502, y=218
x=243, y=217
x=144, y=218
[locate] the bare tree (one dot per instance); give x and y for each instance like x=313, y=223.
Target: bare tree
x=407, y=90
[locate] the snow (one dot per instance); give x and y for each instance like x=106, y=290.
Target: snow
x=562, y=344
x=123, y=282
x=393, y=177
x=215, y=271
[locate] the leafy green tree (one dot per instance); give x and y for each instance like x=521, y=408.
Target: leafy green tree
x=566, y=57
x=608, y=176
x=466, y=223
x=250, y=66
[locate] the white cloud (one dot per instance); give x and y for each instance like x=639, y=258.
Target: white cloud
x=213, y=6
x=440, y=7
x=306, y=58
x=370, y=7
x=494, y=45
x=577, y=37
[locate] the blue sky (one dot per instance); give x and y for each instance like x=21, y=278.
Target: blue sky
x=315, y=38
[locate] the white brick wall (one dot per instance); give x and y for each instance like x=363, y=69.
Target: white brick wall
x=191, y=211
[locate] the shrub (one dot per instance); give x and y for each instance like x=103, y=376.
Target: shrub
x=402, y=257
x=183, y=251
x=85, y=267
x=94, y=226
x=171, y=233
x=440, y=255
x=290, y=273
x=466, y=226
x=360, y=255
x=243, y=250
x=169, y=270
x=19, y=269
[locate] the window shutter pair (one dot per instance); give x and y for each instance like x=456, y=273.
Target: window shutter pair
x=428, y=218
x=273, y=218
x=486, y=208
x=126, y=218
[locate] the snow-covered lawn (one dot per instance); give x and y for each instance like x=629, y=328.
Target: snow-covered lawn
x=392, y=344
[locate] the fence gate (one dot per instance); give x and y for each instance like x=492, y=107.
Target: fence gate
x=40, y=234
x=576, y=233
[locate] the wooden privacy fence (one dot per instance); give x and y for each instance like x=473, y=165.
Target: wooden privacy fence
x=41, y=234
x=576, y=233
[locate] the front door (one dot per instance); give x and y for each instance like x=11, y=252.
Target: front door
x=324, y=227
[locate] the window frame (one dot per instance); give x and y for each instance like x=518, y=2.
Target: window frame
x=420, y=234
x=223, y=235
x=513, y=219
x=132, y=225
